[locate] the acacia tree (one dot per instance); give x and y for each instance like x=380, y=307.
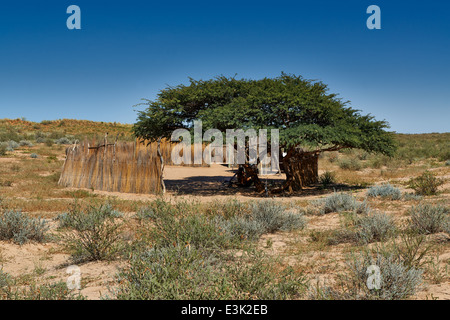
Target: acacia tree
x=310, y=120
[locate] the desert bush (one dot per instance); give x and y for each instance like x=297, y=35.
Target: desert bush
x=63, y=140
x=3, y=148
x=385, y=191
x=411, y=249
x=228, y=208
x=33, y=155
x=447, y=163
x=173, y=273
x=95, y=234
x=242, y=227
x=71, y=219
x=12, y=145
x=11, y=290
x=411, y=196
x=25, y=143
x=425, y=184
x=327, y=178
x=18, y=227
x=361, y=229
x=396, y=281
x=339, y=202
x=350, y=164
x=180, y=272
x=428, y=219
x=274, y=216
x=374, y=227
x=333, y=157
x=48, y=142
x=182, y=224
x=9, y=135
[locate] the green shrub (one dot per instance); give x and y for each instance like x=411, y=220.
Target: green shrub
x=12, y=145
x=3, y=148
x=184, y=272
x=327, y=178
x=16, y=226
x=63, y=140
x=25, y=143
x=48, y=142
x=411, y=196
x=426, y=184
x=182, y=224
x=33, y=155
x=339, y=202
x=273, y=216
x=397, y=281
x=361, y=229
x=95, y=235
x=374, y=227
x=385, y=191
x=333, y=157
x=350, y=164
x=428, y=219
x=50, y=291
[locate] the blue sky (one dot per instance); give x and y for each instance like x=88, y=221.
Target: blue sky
x=128, y=50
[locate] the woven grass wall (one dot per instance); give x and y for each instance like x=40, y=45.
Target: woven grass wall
x=122, y=167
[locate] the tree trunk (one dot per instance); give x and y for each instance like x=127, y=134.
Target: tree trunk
x=301, y=169
x=248, y=174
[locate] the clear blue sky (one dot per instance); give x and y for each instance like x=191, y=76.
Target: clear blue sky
x=128, y=50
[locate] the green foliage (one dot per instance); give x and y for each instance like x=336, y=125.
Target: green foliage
x=303, y=110
x=422, y=146
x=327, y=178
x=18, y=227
x=33, y=155
x=180, y=272
x=93, y=234
x=182, y=224
x=426, y=184
x=360, y=229
x=3, y=148
x=11, y=290
x=350, y=164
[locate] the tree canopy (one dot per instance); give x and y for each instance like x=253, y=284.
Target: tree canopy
x=303, y=110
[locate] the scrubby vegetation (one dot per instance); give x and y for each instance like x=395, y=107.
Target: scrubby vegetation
x=338, y=202
x=390, y=279
x=232, y=248
x=426, y=184
x=428, y=219
x=93, y=234
x=385, y=191
x=18, y=227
